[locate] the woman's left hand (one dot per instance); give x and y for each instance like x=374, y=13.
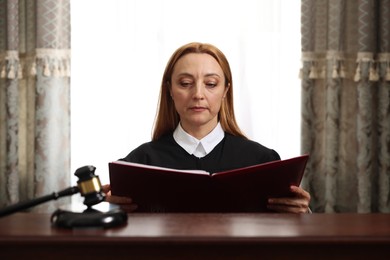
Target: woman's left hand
x=298, y=203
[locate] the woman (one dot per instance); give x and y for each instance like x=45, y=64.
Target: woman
x=195, y=127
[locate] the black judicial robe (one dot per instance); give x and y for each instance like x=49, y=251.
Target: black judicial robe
x=231, y=153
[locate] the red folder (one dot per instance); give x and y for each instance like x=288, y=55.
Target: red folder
x=159, y=189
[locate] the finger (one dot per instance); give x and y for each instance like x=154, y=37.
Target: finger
x=286, y=201
x=129, y=208
x=119, y=200
x=106, y=188
x=298, y=191
x=290, y=202
x=285, y=209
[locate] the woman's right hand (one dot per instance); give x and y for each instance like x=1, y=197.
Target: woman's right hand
x=125, y=203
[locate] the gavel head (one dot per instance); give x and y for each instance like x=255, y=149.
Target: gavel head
x=89, y=185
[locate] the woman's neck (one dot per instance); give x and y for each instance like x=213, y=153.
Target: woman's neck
x=198, y=131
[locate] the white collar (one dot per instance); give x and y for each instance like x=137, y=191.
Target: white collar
x=199, y=148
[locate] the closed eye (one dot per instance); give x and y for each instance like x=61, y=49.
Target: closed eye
x=185, y=84
x=211, y=84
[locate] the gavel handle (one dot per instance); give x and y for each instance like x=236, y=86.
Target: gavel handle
x=30, y=203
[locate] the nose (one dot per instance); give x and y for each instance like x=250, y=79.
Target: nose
x=199, y=90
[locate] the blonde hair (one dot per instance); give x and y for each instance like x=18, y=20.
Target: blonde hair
x=167, y=117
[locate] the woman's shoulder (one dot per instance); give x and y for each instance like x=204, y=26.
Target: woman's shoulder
x=240, y=143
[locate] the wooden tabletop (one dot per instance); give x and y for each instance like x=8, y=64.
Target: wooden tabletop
x=229, y=235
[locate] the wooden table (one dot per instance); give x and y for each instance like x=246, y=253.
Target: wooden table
x=202, y=236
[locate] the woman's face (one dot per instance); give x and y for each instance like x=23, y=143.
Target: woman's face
x=197, y=90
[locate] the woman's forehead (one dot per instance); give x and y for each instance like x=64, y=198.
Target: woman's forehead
x=197, y=63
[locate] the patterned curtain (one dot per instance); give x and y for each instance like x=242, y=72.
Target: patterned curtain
x=34, y=99
x=346, y=104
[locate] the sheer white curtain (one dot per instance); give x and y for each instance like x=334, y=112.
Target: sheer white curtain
x=120, y=48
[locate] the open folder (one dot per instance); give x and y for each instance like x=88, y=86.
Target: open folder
x=159, y=189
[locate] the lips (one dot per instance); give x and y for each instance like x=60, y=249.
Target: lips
x=198, y=108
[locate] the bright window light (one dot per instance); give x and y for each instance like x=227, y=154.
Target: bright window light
x=119, y=52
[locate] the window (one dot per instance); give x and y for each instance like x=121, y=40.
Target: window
x=119, y=52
